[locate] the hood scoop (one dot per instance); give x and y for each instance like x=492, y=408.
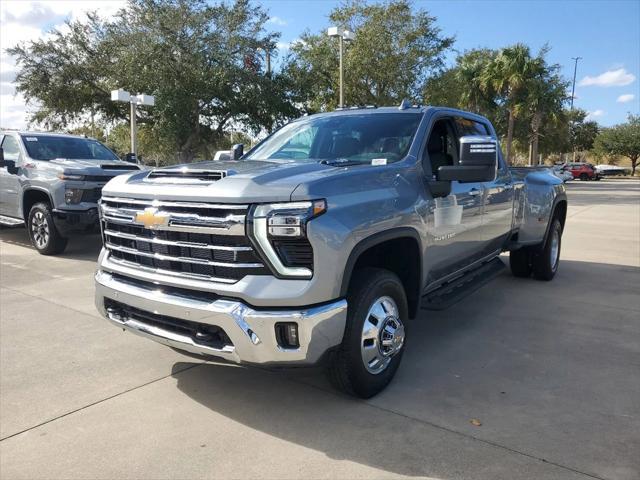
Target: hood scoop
x=188, y=176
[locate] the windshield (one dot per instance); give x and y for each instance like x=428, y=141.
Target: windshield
x=385, y=137
x=48, y=147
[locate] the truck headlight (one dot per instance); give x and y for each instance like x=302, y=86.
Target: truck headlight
x=277, y=228
x=73, y=195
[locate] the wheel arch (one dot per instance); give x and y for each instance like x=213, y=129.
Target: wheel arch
x=31, y=196
x=397, y=250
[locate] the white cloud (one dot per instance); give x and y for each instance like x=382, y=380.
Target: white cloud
x=627, y=97
x=287, y=45
x=610, y=78
x=277, y=21
x=24, y=21
x=595, y=114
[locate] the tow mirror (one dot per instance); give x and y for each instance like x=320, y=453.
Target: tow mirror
x=478, y=161
x=10, y=164
x=237, y=151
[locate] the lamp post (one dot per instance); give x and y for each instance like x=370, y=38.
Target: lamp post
x=121, y=95
x=573, y=93
x=573, y=84
x=344, y=36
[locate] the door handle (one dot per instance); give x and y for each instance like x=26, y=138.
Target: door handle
x=474, y=192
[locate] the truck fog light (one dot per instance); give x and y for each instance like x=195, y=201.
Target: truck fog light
x=73, y=195
x=287, y=335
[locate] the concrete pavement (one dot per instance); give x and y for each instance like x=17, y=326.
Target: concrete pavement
x=551, y=370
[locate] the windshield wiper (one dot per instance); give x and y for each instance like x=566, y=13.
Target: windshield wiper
x=340, y=162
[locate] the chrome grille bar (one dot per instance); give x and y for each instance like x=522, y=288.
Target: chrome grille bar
x=160, y=241
x=169, y=273
x=195, y=261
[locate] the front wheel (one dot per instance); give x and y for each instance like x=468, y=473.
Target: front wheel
x=374, y=337
x=43, y=232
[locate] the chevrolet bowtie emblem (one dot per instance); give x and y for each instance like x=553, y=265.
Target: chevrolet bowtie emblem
x=150, y=218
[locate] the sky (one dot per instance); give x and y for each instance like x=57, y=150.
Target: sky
x=606, y=34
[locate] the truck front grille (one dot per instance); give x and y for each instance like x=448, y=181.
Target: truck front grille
x=191, y=240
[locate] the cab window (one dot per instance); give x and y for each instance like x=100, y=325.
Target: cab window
x=467, y=126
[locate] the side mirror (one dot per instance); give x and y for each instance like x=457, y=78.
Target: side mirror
x=131, y=158
x=10, y=164
x=237, y=151
x=478, y=161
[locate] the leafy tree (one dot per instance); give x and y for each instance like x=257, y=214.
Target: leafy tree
x=623, y=140
x=544, y=99
x=507, y=75
x=191, y=54
x=582, y=131
x=395, y=51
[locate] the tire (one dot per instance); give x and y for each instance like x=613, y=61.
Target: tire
x=377, y=308
x=545, y=261
x=44, y=235
x=520, y=262
x=584, y=177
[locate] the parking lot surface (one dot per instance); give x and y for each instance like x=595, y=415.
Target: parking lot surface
x=549, y=371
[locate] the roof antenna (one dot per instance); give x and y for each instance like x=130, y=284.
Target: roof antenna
x=404, y=104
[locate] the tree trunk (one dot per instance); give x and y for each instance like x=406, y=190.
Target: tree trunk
x=535, y=138
x=634, y=163
x=510, y=135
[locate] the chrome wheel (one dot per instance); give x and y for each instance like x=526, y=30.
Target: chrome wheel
x=554, y=255
x=382, y=335
x=40, y=230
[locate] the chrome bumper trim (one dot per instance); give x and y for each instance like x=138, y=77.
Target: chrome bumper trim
x=251, y=331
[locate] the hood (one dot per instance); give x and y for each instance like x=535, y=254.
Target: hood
x=94, y=167
x=240, y=181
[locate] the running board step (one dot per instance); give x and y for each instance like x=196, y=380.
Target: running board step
x=10, y=221
x=459, y=288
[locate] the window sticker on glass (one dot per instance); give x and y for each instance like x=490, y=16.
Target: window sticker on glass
x=31, y=139
x=378, y=161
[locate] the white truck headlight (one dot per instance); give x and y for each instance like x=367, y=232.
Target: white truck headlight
x=275, y=226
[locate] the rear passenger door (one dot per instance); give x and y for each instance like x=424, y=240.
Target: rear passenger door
x=455, y=222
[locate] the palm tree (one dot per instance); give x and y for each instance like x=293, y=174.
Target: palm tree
x=507, y=75
x=469, y=70
x=546, y=94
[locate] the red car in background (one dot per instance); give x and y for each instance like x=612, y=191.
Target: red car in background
x=583, y=171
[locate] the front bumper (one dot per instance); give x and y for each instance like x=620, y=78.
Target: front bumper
x=251, y=332
x=72, y=220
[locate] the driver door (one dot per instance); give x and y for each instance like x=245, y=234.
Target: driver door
x=454, y=225
x=10, y=183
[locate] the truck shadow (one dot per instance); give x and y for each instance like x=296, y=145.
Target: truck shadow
x=82, y=246
x=479, y=359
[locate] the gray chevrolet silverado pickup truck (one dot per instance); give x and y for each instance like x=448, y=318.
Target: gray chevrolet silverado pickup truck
x=322, y=242
x=51, y=182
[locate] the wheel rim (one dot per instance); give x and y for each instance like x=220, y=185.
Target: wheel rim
x=554, y=250
x=383, y=335
x=40, y=230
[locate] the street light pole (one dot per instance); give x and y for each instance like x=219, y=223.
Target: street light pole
x=573, y=92
x=341, y=105
x=121, y=95
x=343, y=36
x=573, y=85
x=134, y=130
